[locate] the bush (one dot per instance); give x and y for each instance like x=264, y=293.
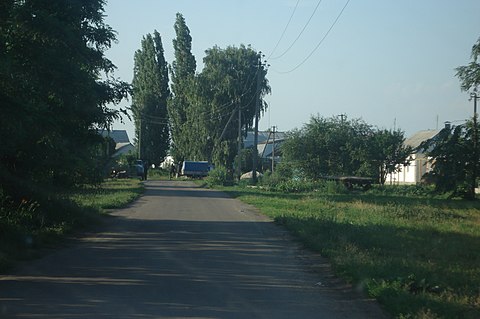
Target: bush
x=218, y=176
x=402, y=190
x=333, y=187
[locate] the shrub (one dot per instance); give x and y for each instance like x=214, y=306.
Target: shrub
x=218, y=176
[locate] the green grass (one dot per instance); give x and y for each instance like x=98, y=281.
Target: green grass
x=419, y=256
x=31, y=226
x=112, y=194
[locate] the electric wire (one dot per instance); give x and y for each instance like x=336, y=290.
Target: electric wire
x=284, y=30
x=319, y=43
x=300, y=34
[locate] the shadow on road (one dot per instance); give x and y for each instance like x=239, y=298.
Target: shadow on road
x=143, y=268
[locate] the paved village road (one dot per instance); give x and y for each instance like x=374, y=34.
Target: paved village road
x=181, y=252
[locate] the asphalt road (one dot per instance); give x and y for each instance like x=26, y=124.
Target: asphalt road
x=181, y=252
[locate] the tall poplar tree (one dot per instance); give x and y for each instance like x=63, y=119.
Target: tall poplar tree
x=182, y=74
x=149, y=99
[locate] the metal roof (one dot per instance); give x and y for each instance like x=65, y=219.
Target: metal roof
x=119, y=136
x=418, y=138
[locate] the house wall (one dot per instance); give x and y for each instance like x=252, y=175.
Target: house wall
x=412, y=173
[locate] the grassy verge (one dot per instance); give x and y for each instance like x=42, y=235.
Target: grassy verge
x=418, y=256
x=112, y=194
x=29, y=227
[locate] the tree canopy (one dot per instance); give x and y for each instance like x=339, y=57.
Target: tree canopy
x=149, y=99
x=228, y=83
x=469, y=75
x=182, y=75
x=452, y=157
x=55, y=85
x=343, y=147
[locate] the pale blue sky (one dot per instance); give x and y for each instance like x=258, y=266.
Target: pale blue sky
x=384, y=61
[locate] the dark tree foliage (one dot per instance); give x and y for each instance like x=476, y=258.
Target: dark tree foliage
x=342, y=147
x=469, y=75
x=149, y=97
x=388, y=152
x=52, y=97
x=182, y=75
x=451, y=153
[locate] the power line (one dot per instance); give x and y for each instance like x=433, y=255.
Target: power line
x=319, y=43
x=301, y=32
x=284, y=30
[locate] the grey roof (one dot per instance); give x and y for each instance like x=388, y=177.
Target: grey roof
x=262, y=138
x=119, y=136
x=416, y=139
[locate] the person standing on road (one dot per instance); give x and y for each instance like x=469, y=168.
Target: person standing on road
x=172, y=170
x=145, y=170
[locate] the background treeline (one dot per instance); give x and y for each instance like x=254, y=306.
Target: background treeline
x=339, y=146
x=202, y=111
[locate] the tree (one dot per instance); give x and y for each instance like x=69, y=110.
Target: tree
x=228, y=82
x=149, y=99
x=52, y=98
x=182, y=75
x=328, y=147
x=388, y=152
x=343, y=147
x=469, y=76
x=451, y=165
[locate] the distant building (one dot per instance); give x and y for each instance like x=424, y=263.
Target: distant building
x=122, y=142
x=418, y=162
x=267, y=140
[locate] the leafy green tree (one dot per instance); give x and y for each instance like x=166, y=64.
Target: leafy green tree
x=469, y=76
x=451, y=164
x=343, y=147
x=182, y=75
x=326, y=147
x=388, y=152
x=227, y=82
x=52, y=95
x=149, y=99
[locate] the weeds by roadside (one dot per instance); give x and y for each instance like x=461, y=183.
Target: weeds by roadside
x=418, y=254
x=27, y=226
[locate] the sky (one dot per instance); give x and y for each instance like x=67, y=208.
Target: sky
x=390, y=63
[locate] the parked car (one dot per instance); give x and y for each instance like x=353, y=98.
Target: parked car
x=195, y=168
x=140, y=168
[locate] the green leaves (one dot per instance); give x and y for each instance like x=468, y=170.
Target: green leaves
x=342, y=147
x=452, y=157
x=150, y=95
x=51, y=94
x=469, y=75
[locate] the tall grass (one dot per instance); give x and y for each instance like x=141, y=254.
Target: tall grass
x=29, y=226
x=419, y=256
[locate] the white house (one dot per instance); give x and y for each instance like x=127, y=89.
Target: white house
x=122, y=142
x=418, y=162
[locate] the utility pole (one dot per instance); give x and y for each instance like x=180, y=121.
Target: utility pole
x=239, y=160
x=474, y=96
x=255, y=136
x=273, y=149
x=257, y=111
x=140, y=140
